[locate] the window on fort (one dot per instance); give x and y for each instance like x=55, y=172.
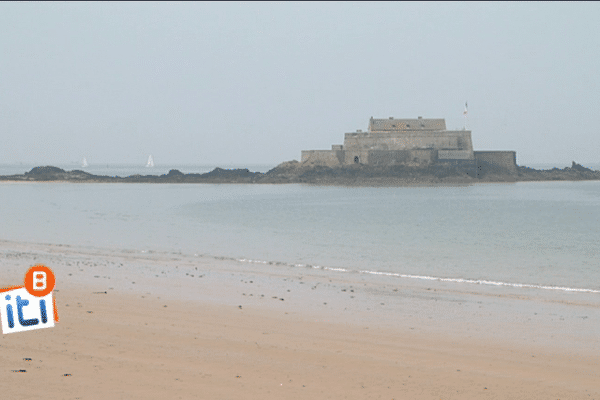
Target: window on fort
x=407, y=125
x=356, y=159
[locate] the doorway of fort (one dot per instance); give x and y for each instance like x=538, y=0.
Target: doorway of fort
x=356, y=159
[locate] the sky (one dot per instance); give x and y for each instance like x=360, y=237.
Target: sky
x=256, y=83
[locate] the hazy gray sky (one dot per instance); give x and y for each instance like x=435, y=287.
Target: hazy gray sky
x=256, y=83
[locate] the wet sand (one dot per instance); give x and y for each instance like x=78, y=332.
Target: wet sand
x=166, y=325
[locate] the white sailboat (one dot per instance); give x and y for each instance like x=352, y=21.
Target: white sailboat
x=150, y=162
x=84, y=163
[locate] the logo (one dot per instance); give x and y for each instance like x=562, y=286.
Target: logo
x=32, y=306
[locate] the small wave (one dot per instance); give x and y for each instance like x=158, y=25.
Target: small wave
x=483, y=282
x=428, y=278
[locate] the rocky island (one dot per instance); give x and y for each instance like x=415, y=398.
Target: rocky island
x=311, y=173
x=391, y=152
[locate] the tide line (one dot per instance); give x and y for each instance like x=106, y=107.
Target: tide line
x=482, y=282
x=429, y=278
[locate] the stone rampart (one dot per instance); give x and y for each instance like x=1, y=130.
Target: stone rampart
x=413, y=142
x=329, y=158
x=455, y=155
x=497, y=161
x=404, y=124
x=415, y=158
x=356, y=156
x=410, y=140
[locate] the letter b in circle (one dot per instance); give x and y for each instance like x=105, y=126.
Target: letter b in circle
x=40, y=280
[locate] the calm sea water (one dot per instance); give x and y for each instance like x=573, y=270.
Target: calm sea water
x=538, y=233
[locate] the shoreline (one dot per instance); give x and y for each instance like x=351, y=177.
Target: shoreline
x=504, y=340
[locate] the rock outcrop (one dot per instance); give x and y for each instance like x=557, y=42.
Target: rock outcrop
x=296, y=172
x=576, y=172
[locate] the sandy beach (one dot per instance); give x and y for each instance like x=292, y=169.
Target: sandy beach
x=166, y=325
x=273, y=201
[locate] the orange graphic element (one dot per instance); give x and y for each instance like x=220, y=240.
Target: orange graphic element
x=39, y=280
x=8, y=288
x=55, y=309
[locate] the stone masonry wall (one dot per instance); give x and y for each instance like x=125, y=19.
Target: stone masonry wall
x=329, y=158
x=405, y=124
x=503, y=161
x=420, y=158
x=447, y=140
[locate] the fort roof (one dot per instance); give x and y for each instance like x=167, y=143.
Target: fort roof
x=419, y=124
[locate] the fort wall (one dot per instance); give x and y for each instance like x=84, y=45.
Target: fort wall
x=501, y=161
x=356, y=156
x=412, y=142
x=330, y=158
x=408, y=140
x=455, y=155
x=404, y=124
x=416, y=158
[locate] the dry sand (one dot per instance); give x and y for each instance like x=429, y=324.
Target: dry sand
x=194, y=327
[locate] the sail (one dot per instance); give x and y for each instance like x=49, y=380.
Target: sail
x=84, y=163
x=150, y=162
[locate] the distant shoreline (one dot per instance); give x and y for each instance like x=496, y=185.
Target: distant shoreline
x=295, y=172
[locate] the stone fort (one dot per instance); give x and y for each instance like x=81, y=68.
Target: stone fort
x=416, y=142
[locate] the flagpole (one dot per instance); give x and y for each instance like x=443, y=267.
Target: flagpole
x=465, y=113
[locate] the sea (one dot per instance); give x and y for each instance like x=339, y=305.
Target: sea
x=538, y=235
